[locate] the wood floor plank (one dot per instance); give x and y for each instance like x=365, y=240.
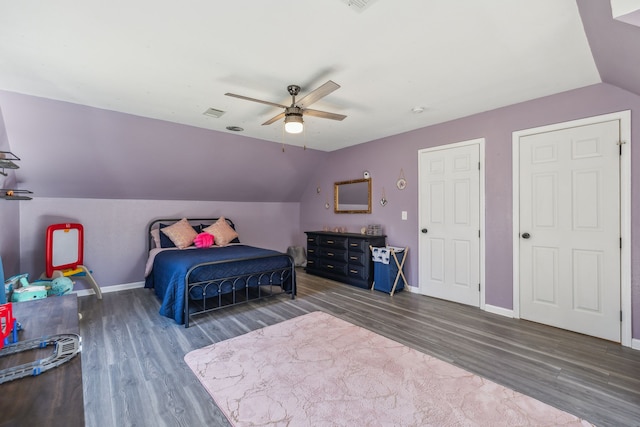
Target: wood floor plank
x=134, y=373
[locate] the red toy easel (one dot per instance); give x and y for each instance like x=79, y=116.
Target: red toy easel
x=64, y=254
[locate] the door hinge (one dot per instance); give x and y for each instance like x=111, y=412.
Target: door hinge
x=478, y=165
x=620, y=144
x=621, y=243
x=478, y=233
x=621, y=315
x=478, y=287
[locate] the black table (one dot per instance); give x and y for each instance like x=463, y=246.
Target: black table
x=55, y=396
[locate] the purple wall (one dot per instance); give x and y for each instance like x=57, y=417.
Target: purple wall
x=9, y=216
x=115, y=172
x=386, y=157
x=71, y=150
x=86, y=162
x=115, y=231
x=615, y=45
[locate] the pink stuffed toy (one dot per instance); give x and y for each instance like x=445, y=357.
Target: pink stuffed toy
x=203, y=240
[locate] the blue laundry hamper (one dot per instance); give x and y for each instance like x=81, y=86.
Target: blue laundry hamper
x=387, y=268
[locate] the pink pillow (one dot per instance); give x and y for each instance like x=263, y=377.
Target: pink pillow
x=203, y=240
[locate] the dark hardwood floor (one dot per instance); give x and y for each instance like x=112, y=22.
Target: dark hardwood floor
x=134, y=373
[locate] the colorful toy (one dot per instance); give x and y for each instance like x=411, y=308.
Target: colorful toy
x=60, y=286
x=28, y=292
x=64, y=254
x=15, y=282
x=8, y=326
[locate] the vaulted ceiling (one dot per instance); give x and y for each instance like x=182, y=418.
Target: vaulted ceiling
x=171, y=61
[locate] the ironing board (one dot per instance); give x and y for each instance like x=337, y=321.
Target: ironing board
x=64, y=254
x=399, y=262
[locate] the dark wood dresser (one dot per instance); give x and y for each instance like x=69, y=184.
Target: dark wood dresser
x=55, y=396
x=344, y=257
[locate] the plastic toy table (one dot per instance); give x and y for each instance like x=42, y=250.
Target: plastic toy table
x=53, y=397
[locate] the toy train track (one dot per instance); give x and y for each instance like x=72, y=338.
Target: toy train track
x=66, y=346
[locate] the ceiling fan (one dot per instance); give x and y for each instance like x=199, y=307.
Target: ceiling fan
x=293, y=113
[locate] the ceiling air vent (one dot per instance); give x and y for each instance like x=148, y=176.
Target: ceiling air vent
x=358, y=5
x=212, y=112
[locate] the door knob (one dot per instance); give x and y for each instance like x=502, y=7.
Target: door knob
x=526, y=235
x=424, y=231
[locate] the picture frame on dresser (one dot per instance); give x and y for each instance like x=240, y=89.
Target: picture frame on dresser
x=344, y=257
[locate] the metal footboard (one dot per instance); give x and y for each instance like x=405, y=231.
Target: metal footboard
x=237, y=289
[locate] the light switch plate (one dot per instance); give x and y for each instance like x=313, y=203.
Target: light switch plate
x=404, y=215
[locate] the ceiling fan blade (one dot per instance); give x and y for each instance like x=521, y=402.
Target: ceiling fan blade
x=256, y=100
x=324, y=114
x=274, y=119
x=317, y=94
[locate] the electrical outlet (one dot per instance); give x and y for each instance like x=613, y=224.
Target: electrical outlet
x=404, y=215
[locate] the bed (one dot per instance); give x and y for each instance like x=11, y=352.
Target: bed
x=192, y=280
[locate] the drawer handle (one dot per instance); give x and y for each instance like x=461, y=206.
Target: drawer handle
x=353, y=271
x=329, y=266
x=329, y=253
x=353, y=257
x=354, y=245
x=330, y=242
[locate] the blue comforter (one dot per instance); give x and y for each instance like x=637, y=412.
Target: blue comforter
x=171, y=266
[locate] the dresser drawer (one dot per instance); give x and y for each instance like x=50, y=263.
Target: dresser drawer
x=339, y=268
x=358, y=245
x=312, y=263
x=358, y=272
x=337, y=242
x=313, y=240
x=356, y=258
x=312, y=251
x=333, y=254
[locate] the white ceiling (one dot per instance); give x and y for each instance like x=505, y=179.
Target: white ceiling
x=173, y=60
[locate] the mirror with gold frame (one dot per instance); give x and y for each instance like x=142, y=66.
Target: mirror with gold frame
x=352, y=196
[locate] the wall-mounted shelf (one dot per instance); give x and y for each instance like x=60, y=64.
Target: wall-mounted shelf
x=6, y=161
x=9, y=194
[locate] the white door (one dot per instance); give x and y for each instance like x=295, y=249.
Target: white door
x=570, y=229
x=450, y=223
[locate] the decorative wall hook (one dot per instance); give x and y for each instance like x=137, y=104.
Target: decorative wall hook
x=383, y=200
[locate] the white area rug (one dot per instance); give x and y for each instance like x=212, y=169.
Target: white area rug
x=318, y=370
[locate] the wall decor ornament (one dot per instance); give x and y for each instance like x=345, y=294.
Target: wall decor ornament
x=383, y=200
x=402, y=181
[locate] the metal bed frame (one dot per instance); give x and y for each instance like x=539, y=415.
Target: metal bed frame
x=244, y=287
x=262, y=284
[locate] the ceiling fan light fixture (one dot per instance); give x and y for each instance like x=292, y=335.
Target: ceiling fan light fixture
x=293, y=123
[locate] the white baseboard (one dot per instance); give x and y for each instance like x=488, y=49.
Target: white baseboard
x=635, y=343
x=107, y=289
x=498, y=310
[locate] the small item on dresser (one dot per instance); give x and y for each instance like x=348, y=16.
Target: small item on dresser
x=374, y=230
